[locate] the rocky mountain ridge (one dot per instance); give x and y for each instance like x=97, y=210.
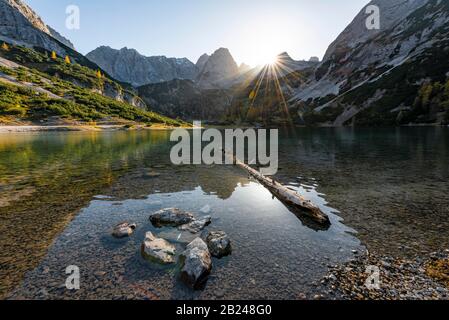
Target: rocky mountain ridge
x=376, y=76
x=128, y=65
x=22, y=26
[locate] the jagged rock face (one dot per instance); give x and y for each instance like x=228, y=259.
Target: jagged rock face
x=219, y=70
x=28, y=13
x=185, y=99
x=19, y=24
x=391, y=12
x=202, y=62
x=130, y=66
x=55, y=34
x=358, y=48
x=375, y=78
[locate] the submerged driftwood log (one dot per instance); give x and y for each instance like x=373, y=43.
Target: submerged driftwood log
x=289, y=197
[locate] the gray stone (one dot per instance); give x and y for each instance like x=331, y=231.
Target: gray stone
x=196, y=225
x=158, y=250
x=218, y=243
x=171, y=217
x=196, y=264
x=123, y=230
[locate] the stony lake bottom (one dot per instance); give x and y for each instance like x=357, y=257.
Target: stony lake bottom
x=385, y=190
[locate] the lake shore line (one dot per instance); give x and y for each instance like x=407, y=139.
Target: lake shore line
x=378, y=277
x=72, y=128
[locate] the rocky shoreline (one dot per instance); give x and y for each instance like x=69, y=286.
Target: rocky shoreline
x=421, y=278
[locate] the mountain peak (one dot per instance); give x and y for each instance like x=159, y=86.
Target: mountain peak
x=356, y=32
x=219, y=67
x=222, y=51
x=22, y=26
x=202, y=61
x=29, y=14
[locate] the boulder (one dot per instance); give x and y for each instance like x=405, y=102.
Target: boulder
x=196, y=225
x=171, y=217
x=158, y=250
x=123, y=230
x=218, y=243
x=196, y=264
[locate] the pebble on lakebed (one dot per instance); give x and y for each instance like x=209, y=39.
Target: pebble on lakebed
x=423, y=278
x=123, y=230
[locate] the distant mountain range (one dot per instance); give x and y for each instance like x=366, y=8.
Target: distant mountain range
x=130, y=66
x=392, y=76
x=43, y=79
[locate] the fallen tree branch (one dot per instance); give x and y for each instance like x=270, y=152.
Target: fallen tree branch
x=288, y=197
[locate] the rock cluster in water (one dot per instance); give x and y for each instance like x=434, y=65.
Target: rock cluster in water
x=196, y=260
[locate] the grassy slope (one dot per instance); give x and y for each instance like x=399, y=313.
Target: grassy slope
x=74, y=84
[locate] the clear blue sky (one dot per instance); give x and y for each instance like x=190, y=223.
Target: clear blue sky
x=253, y=30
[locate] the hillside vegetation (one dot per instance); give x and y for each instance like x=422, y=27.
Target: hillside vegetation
x=43, y=85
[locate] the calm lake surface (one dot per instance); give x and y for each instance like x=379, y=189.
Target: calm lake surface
x=61, y=193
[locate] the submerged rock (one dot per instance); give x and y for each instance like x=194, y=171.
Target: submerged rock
x=196, y=264
x=123, y=230
x=218, y=243
x=196, y=225
x=158, y=250
x=171, y=217
x=206, y=209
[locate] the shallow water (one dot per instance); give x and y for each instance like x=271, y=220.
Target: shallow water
x=62, y=192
